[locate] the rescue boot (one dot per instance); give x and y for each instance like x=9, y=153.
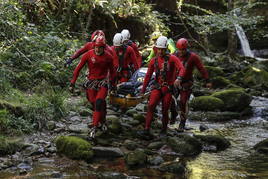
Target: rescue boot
x=163, y=133
x=181, y=126
x=92, y=132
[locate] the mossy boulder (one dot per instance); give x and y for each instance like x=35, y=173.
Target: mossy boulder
x=262, y=147
x=139, y=117
x=234, y=99
x=220, y=142
x=185, y=145
x=74, y=148
x=131, y=112
x=115, y=126
x=256, y=77
x=173, y=167
x=15, y=109
x=206, y=103
x=214, y=71
x=220, y=82
x=136, y=158
x=8, y=147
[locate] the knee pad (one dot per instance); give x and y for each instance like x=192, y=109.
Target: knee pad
x=99, y=104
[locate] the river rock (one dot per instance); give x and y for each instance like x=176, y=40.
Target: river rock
x=78, y=128
x=51, y=125
x=156, y=160
x=185, y=145
x=203, y=127
x=155, y=145
x=173, y=167
x=220, y=142
x=136, y=158
x=107, y=152
x=112, y=175
x=85, y=112
x=262, y=147
x=74, y=147
x=214, y=116
x=206, y=103
x=130, y=145
x=234, y=99
x=131, y=112
x=139, y=117
x=220, y=82
x=116, y=126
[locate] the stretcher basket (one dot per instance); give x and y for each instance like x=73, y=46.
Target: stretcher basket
x=126, y=101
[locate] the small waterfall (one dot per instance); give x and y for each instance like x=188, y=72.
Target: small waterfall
x=244, y=41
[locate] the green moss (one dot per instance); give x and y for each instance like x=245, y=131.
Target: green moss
x=8, y=147
x=206, y=103
x=138, y=157
x=185, y=145
x=234, y=99
x=11, y=107
x=74, y=147
x=256, y=77
x=214, y=71
x=139, y=117
x=220, y=82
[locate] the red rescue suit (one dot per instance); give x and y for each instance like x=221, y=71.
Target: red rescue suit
x=124, y=58
x=164, y=68
x=135, y=48
x=190, y=60
x=99, y=66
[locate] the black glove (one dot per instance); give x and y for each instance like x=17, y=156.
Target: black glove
x=68, y=62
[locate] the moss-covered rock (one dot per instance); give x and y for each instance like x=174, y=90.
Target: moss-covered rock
x=139, y=117
x=173, y=167
x=185, y=145
x=220, y=82
x=136, y=158
x=74, y=147
x=214, y=71
x=131, y=112
x=234, y=99
x=8, y=147
x=262, y=147
x=115, y=126
x=220, y=142
x=214, y=116
x=15, y=109
x=206, y=103
x=256, y=77
x=155, y=145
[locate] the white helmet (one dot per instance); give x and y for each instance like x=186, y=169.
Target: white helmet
x=162, y=42
x=118, y=39
x=126, y=34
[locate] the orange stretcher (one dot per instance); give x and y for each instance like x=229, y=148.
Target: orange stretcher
x=127, y=101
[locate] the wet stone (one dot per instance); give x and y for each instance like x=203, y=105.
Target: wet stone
x=156, y=160
x=56, y=175
x=78, y=128
x=107, y=152
x=203, y=127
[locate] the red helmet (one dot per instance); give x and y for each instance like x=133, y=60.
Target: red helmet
x=182, y=43
x=100, y=41
x=96, y=34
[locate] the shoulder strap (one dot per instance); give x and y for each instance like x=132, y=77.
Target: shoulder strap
x=164, y=74
x=122, y=56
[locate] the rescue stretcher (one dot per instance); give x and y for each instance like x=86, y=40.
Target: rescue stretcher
x=127, y=100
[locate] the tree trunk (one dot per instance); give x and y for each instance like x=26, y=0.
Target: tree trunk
x=232, y=39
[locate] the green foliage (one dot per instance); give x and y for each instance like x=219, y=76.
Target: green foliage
x=212, y=23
